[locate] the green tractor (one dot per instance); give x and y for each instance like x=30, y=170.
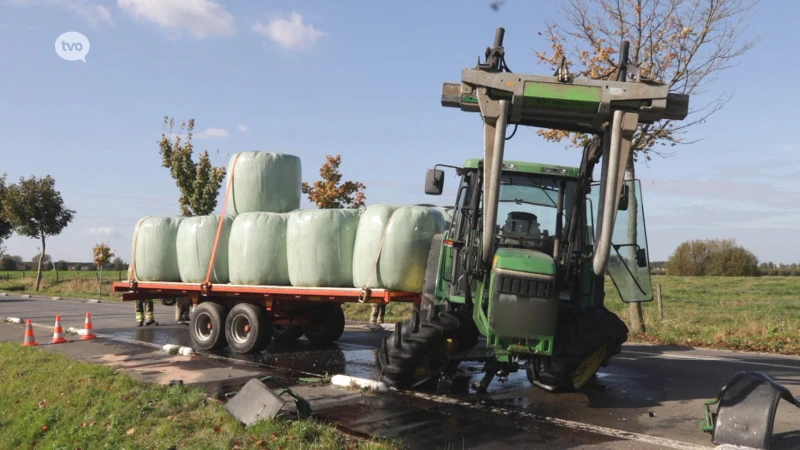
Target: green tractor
x=524, y=260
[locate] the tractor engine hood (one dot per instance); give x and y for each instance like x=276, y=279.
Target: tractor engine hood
x=524, y=260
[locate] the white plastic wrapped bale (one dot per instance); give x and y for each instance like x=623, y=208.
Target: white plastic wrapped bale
x=257, y=249
x=447, y=213
x=195, y=243
x=319, y=247
x=371, y=226
x=154, y=255
x=404, y=254
x=263, y=182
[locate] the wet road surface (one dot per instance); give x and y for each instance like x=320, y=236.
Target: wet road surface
x=655, y=391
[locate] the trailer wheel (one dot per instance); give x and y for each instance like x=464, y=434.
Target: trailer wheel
x=248, y=328
x=286, y=333
x=327, y=324
x=207, y=326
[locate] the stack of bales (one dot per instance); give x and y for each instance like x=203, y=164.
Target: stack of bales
x=266, y=240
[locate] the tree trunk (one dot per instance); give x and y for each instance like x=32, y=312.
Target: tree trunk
x=39, y=270
x=100, y=286
x=636, y=314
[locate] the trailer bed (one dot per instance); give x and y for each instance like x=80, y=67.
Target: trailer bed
x=140, y=290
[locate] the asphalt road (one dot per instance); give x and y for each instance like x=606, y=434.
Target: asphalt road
x=648, y=397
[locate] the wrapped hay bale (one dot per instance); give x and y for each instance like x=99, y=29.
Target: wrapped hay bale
x=257, y=249
x=264, y=182
x=195, y=243
x=371, y=226
x=319, y=246
x=153, y=252
x=408, y=233
x=448, y=212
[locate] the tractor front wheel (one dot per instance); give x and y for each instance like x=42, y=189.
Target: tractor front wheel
x=596, y=336
x=417, y=351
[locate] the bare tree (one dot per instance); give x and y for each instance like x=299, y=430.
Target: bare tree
x=685, y=44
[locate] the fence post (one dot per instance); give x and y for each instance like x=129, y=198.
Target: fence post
x=660, y=303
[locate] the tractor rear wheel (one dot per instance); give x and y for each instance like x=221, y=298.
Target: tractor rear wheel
x=417, y=351
x=594, y=338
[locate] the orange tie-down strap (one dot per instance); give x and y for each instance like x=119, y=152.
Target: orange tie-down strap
x=206, y=286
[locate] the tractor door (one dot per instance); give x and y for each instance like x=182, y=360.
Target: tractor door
x=629, y=261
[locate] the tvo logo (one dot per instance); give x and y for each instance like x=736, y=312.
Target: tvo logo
x=72, y=46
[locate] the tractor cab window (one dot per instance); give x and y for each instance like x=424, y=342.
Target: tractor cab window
x=528, y=209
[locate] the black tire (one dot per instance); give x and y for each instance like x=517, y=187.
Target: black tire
x=168, y=301
x=207, y=326
x=415, y=354
x=248, y=328
x=327, y=324
x=591, y=330
x=286, y=333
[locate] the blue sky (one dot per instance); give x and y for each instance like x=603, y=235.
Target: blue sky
x=358, y=78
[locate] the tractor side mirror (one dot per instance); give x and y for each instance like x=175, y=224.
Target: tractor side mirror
x=623, y=198
x=641, y=257
x=434, y=182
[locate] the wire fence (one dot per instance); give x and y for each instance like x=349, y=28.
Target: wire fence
x=64, y=275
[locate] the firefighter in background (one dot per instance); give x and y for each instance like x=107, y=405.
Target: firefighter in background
x=144, y=312
x=378, y=311
x=182, y=307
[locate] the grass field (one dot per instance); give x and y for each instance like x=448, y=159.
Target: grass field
x=754, y=314
x=738, y=313
x=49, y=401
x=79, y=284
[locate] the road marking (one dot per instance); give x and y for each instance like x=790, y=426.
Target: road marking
x=580, y=426
x=712, y=358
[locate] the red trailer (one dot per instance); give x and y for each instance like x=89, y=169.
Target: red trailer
x=247, y=318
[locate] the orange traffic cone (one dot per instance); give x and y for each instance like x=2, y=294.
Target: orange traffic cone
x=29, y=340
x=58, y=333
x=87, y=328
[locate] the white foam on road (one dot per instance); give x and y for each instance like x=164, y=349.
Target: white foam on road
x=348, y=381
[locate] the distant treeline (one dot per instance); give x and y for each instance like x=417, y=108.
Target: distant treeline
x=720, y=258
x=15, y=262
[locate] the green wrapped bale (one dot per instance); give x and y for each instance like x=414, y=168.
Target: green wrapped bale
x=257, y=249
x=153, y=250
x=263, y=182
x=195, y=243
x=447, y=212
x=404, y=254
x=319, y=246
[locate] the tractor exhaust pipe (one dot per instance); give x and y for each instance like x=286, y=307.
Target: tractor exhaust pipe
x=494, y=146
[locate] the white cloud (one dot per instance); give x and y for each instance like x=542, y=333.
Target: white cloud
x=291, y=34
x=213, y=132
x=243, y=128
x=200, y=18
x=103, y=231
x=94, y=14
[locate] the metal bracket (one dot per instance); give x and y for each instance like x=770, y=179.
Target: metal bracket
x=366, y=293
x=252, y=406
x=746, y=412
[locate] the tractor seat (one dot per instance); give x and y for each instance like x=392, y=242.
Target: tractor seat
x=522, y=224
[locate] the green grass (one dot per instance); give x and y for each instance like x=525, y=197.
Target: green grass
x=738, y=313
x=79, y=284
x=49, y=401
